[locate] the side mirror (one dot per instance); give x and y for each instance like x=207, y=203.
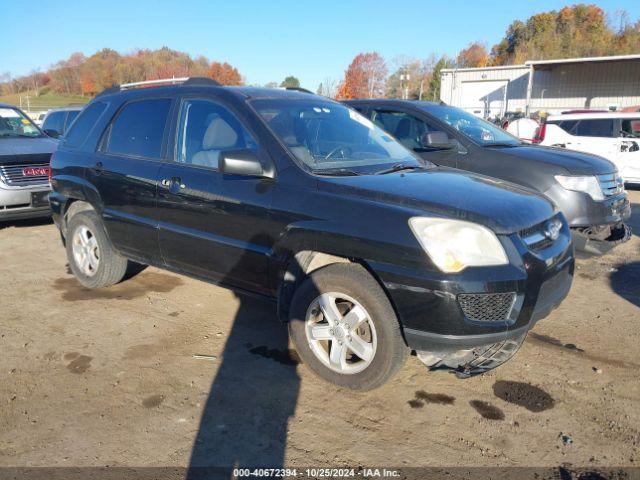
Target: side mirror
x=438, y=140
x=52, y=133
x=240, y=162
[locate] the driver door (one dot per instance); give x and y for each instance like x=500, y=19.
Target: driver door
x=214, y=225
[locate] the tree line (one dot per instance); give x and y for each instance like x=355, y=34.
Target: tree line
x=574, y=31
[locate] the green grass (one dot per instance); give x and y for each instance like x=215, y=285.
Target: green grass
x=44, y=102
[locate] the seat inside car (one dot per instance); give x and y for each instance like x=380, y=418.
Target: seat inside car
x=219, y=136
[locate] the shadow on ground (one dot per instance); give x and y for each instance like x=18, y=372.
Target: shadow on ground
x=253, y=396
x=30, y=222
x=625, y=281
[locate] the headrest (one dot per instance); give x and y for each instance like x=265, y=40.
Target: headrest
x=219, y=135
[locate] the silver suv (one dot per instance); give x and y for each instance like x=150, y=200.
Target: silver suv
x=25, y=153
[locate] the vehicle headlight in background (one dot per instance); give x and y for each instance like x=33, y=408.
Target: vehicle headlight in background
x=585, y=184
x=454, y=245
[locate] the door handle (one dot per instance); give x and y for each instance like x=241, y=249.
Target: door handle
x=98, y=166
x=166, y=182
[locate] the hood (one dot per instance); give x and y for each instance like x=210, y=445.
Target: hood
x=24, y=150
x=502, y=206
x=559, y=160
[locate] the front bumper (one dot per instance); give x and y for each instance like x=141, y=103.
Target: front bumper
x=587, y=218
x=429, y=309
x=18, y=203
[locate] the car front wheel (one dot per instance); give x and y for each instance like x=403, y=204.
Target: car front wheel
x=345, y=329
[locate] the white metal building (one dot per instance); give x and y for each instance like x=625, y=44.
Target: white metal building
x=550, y=85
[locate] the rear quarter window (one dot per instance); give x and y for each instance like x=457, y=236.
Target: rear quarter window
x=138, y=129
x=82, y=127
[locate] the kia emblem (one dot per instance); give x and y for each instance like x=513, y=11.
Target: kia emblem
x=552, y=229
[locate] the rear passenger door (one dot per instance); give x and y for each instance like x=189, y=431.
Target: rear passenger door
x=213, y=225
x=125, y=173
x=595, y=135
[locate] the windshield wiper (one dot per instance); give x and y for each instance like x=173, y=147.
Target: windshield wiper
x=399, y=167
x=336, y=172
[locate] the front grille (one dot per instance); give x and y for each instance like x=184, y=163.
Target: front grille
x=611, y=184
x=13, y=175
x=538, y=237
x=487, y=307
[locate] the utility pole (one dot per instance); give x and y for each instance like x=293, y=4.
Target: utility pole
x=404, y=84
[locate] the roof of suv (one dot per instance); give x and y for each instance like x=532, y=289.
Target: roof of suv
x=593, y=116
x=71, y=108
x=243, y=92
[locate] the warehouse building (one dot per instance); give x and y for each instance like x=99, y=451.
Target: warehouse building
x=554, y=86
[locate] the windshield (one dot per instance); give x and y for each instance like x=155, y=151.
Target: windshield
x=478, y=130
x=14, y=123
x=327, y=137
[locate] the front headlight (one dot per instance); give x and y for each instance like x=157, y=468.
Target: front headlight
x=454, y=245
x=585, y=184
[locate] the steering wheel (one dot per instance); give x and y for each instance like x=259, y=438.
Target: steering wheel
x=342, y=149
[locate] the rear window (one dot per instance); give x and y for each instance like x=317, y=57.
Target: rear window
x=139, y=128
x=83, y=125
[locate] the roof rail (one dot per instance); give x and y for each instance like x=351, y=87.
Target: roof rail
x=161, y=81
x=300, y=89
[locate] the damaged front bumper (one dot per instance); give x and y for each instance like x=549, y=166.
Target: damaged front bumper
x=600, y=240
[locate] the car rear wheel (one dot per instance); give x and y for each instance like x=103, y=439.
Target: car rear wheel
x=345, y=329
x=92, y=258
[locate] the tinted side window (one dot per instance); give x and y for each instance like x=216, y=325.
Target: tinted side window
x=206, y=129
x=631, y=128
x=84, y=124
x=595, y=128
x=139, y=128
x=55, y=121
x=406, y=128
x=567, y=125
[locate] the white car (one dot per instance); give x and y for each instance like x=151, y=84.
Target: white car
x=612, y=135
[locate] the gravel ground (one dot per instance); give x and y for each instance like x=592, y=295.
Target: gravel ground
x=164, y=370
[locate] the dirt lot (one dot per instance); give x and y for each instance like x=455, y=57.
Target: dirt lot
x=166, y=370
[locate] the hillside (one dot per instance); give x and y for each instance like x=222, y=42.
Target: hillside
x=45, y=101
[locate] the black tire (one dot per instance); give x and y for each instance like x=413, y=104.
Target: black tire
x=354, y=281
x=112, y=266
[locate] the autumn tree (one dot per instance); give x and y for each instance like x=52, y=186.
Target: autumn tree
x=364, y=78
x=411, y=78
x=225, y=74
x=475, y=55
x=576, y=31
x=290, y=82
x=328, y=88
x=434, y=83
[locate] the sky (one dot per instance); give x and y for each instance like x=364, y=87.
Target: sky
x=266, y=40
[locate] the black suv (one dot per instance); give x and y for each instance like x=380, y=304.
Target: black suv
x=368, y=251
x=587, y=188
